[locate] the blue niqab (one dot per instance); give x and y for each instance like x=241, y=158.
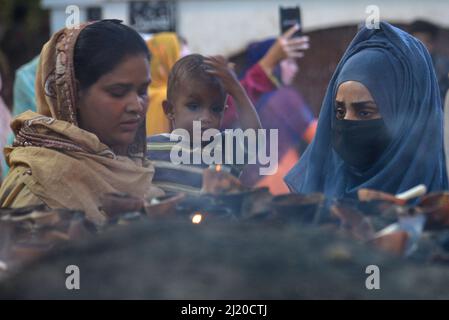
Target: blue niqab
x=397, y=70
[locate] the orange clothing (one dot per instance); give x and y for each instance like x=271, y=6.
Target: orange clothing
x=165, y=51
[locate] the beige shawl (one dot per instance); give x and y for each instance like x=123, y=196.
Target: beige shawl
x=66, y=166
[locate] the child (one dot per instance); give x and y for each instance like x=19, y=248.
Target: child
x=197, y=88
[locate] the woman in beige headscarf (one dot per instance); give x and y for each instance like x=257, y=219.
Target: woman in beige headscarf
x=88, y=136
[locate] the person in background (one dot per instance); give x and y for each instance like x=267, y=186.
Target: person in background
x=24, y=97
x=381, y=122
x=166, y=48
x=5, y=118
x=5, y=70
x=259, y=77
x=5, y=130
x=24, y=91
x=271, y=69
x=427, y=33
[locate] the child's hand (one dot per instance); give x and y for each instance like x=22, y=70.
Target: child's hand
x=223, y=70
x=220, y=68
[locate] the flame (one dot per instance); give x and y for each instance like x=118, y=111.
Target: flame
x=218, y=168
x=197, y=218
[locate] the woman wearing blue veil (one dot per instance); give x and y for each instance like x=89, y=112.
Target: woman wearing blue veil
x=381, y=124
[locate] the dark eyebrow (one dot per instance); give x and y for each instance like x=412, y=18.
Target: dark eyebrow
x=194, y=97
x=364, y=104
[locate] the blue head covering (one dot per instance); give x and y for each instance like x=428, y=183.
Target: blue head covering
x=255, y=52
x=397, y=70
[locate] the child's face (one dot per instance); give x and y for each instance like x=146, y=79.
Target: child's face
x=196, y=101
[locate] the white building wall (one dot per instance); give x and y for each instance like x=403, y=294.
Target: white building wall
x=227, y=26
x=116, y=10
x=58, y=18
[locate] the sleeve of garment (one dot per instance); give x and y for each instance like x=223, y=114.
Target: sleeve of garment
x=287, y=110
x=256, y=83
x=300, y=119
x=310, y=131
x=14, y=192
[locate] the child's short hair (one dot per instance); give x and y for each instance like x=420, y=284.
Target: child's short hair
x=191, y=67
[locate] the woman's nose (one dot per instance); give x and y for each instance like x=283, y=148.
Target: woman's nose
x=347, y=117
x=135, y=104
x=350, y=115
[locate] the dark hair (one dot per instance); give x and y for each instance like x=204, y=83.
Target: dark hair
x=101, y=46
x=422, y=26
x=20, y=12
x=191, y=67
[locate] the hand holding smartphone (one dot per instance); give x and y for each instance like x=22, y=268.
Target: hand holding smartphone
x=291, y=44
x=288, y=17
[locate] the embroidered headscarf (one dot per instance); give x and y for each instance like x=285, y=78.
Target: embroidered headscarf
x=69, y=167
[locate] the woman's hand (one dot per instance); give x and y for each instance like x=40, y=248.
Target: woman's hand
x=286, y=46
x=115, y=204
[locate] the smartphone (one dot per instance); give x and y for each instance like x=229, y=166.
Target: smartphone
x=288, y=16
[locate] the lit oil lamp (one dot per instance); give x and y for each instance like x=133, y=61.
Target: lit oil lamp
x=197, y=217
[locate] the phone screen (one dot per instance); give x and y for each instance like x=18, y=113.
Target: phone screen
x=288, y=17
